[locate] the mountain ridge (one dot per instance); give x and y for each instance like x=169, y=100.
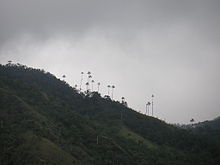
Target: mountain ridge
x=37, y=108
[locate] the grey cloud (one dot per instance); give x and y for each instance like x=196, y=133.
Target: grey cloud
x=77, y=15
x=170, y=48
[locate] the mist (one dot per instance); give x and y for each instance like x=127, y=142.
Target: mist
x=169, y=49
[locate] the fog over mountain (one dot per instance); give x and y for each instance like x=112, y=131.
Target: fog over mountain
x=166, y=48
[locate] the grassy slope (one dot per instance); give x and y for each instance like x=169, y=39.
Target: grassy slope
x=44, y=121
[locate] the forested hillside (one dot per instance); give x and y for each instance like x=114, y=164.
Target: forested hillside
x=46, y=121
x=209, y=129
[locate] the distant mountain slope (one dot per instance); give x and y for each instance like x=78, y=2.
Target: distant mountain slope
x=214, y=124
x=45, y=121
x=210, y=129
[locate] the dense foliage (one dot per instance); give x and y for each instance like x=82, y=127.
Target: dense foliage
x=209, y=129
x=45, y=121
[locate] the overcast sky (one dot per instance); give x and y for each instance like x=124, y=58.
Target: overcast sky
x=169, y=48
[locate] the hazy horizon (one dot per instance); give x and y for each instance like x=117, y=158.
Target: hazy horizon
x=166, y=48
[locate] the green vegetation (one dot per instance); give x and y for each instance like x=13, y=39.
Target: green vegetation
x=208, y=129
x=45, y=121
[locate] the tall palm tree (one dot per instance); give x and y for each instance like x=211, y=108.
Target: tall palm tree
x=113, y=87
x=98, y=86
x=89, y=76
x=123, y=103
x=122, y=100
x=192, y=120
x=152, y=105
x=64, y=76
x=92, y=84
x=109, y=86
x=80, y=88
x=87, y=87
x=89, y=80
x=148, y=108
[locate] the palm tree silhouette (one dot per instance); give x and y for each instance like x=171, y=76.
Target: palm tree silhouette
x=81, y=81
x=92, y=84
x=89, y=73
x=113, y=87
x=123, y=103
x=98, y=86
x=109, y=86
x=148, y=107
x=87, y=87
x=126, y=104
x=64, y=77
x=152, y=105
x=122, y=100
x=89, y=81
x=89, y=76
x=192, y=121
x=146, y=112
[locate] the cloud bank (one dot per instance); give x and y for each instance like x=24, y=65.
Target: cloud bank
x=166, y=48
